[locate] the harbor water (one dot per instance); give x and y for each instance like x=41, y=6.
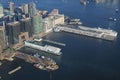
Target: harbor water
x=83, y=58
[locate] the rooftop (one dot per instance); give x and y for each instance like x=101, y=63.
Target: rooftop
x=54, y=17
x=25, y=19
x=13, y=23
x=58, y=16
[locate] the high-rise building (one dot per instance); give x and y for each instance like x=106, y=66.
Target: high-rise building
x=48, y=24
x=37, y=24
x=32, y=9
x=1, y=11
x=58, y=19
x=25, y=8
x=6, y=12
x=3, y=39
x=22, y=37
x=26, y=26
x=51, y=21
x=18, y=17
x=13, y=32
x=11, y=5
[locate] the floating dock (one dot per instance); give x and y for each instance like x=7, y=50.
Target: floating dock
x=14, y=70
x=53, y=42
x=105, y=34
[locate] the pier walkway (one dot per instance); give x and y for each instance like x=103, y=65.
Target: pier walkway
x=53, y=42
x=80, y=32
x=14, y=70
x=105, y=34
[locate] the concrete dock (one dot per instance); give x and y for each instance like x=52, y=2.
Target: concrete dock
x=54, y=42
x=100, y=33
x=14, y=70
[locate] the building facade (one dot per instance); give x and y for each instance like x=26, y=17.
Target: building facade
x=23, y=37
x=37, y=24
x=7, y=12
x=1, y=11
x=26, y=26
x=25, y=8
x=3, y=39
x=48, y=24
x=32, y=9
x=13, y=32
x=58, y=19
x=51, y=21
x=12, y=7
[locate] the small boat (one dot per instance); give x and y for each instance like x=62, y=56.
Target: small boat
x=112, y=19
x=36, y=55
x=83, y=2
x=116, y=10
x=40, y=66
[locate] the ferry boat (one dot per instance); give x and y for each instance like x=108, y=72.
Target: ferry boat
x=116, y=10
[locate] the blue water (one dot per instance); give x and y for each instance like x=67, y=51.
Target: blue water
x=83, y=58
